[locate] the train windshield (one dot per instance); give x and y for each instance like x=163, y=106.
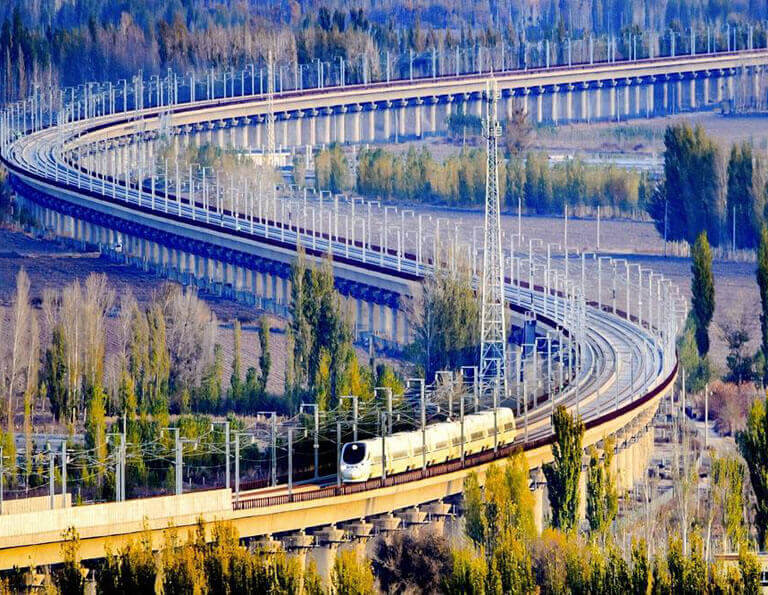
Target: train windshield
x=354, y=453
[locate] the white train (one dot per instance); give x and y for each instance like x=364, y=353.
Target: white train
x=361, y=461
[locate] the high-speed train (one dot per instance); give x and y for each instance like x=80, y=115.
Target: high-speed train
x=361, y=461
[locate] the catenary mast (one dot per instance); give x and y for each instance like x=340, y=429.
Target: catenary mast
x=493, y=348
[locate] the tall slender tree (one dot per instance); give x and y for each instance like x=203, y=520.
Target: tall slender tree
x=563, y=473
x=762, y=283
x=753, y=444
x=702, y=291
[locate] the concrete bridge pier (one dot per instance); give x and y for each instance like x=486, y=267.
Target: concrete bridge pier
x=286, y=116
x=355, y=123
x=448, y=103
x=437, y=514
x=612, y=97
x=525, y=92
x=401, y=114
x=328, y=115
x=539, y=105
x=730, y=78
x=598, y=112
x=693, y=91
x=628, y=91
x=412, y=517
x=387, y=120
x=341, y=127
x=327, y=542
x=538, y=488
x=298, y=545
x=299, y=125
x=555, y=103
x=432, y=115
x=265, y=544
x=650, y=109
x=359, y=534
x=372, y=122
x=313, y=127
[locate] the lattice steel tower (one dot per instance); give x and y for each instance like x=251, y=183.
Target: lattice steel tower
x=271, y=157
x=493, y=346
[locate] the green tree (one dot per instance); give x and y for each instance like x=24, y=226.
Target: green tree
x=749, y=568
x=563, y=473
x=351, y=576
x=602, y=495
x=96, y=430
x=158, y=363
x=690, y=198
x=702, y=291
x=69, y=578
x=265, y=357
x=445, y=323
x=235, y=379
x=55, y=374
x=474, y=513
x=468, y=575
x=745, y=196
x=753, y=444
x=132, y=570
x=762, y=283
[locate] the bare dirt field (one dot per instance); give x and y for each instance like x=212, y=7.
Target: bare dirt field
x=636, y=136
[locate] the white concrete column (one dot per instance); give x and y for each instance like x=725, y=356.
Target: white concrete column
x=313, y=127
x=526, y=92
x=731, y=95
x=583, y=115
x=433, y=116
x=555, y=95
x=372, y=123
x=539, y=104
x=328, y=117
x=679, y=87
x=286, y=118
x=627, y=92
x=705, y=83
x=598, y=111
x=258, y=126
x=387, y=121
x=719, y=86
x=356, y=124
x=395, y=329
x=299, y=124
x=693, y=91
x=341, y=128
x=401, y=118
x=417, y=111
x=569, y=104
x=612, y=94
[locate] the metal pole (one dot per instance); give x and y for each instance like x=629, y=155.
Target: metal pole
x=237, y=466
x=50, y=476
x=290, y=461
x=338, y=454
x=423, y=426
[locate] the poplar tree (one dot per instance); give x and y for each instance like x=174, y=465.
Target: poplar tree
x=602, y=496
x=702, y=291
x=563, y=473
x=762, y=283
x=235, y=380
x=265, y=358
x=753, y=444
